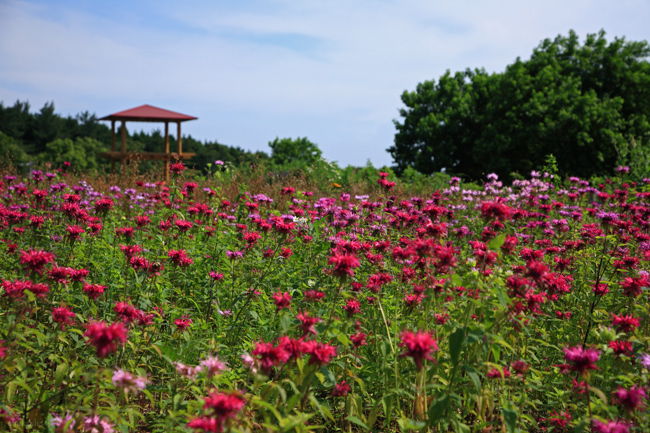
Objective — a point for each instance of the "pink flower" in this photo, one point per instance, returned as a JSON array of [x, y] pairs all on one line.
[[220, 407], [631, 399], [307, 323], [93, 291], [496, 374], [177, 167], [600, 289], [16, 289], [105, 337], [63, 424], [621, 347], [187, 371], [183, 225], [419, 346], [128, 312], [582, 360], [495, 209], [625, 323], [352, 307], [269, 356], [341, 389], [75, 232], [183, 323], [63, 316], [212, 366], [313, 295], [295, 347], [103, 205], [205, 424], [610, 427], [520, 367], [344, 265], [282, 300], [321, 353], [216, 276], [561, 419], [632, 285], [35, 260], [128, 382], [95, 424], [358, 340], [179, 258]]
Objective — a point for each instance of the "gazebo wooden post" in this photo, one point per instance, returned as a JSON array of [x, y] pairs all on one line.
[[180, 142], [123, 147], [167, 152], [112, 145]]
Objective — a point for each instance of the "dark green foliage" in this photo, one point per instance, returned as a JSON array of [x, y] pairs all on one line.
[[289, 151], [10, 150], [213, 151], [581, 103], [49, 137], [81, 153]]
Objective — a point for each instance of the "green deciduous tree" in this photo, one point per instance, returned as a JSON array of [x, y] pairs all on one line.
[[289, 151], [11, 150], [581, 103], [82, 153]]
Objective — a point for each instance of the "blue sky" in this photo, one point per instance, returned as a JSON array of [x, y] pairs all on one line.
[[332, 71]]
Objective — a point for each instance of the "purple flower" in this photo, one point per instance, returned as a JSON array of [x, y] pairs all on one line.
[[645, 360], [95, 424], [128, 382], [62, 424], [212, 366], [233, 255]]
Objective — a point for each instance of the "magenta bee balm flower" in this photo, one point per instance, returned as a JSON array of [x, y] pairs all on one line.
[[419, 346], [582, 360]]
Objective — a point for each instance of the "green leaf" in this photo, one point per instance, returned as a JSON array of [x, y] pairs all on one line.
[[285, 322], [438, 409], [324, 410], [407, 424], [599, 393], [328, 374], [496, 243], [580, 427], [10, 391], [61, 370], [474, 376], [461, 428], [456, 344], [387, 403], [502, 296], [510, 418], [354, 420], [372, 418], [456, 280]]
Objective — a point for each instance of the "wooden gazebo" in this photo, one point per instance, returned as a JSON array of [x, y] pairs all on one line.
[[146, 113]]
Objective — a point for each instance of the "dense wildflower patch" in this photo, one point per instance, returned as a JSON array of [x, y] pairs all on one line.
[[152, 307]]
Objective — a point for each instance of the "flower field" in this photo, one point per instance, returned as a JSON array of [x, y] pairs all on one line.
[[135, 306]]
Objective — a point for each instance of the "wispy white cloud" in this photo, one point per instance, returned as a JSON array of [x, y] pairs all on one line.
[[253, 70]]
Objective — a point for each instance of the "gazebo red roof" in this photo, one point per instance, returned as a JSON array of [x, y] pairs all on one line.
[[148, 113]]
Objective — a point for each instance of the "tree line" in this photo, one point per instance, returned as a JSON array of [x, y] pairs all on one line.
[[45, 136], [586, 104]]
